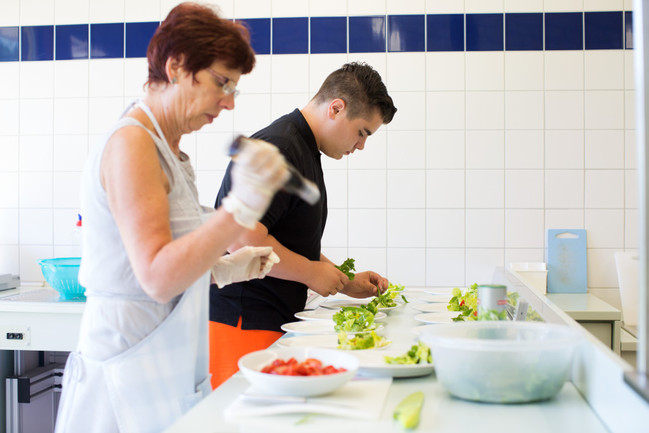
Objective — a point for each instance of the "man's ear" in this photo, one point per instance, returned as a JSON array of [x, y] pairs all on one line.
[[336, 107]]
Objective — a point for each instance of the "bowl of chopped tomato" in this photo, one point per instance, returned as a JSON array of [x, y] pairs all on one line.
[[298, 371]]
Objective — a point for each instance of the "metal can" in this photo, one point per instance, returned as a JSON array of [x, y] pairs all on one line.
[[492, 297]]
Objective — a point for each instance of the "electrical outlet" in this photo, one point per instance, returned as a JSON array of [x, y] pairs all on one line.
[[15, 337]]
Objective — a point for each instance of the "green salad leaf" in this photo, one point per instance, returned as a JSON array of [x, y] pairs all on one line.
[[353, 319], [465, 302], [347, 267], [361, 341], [418, 354]]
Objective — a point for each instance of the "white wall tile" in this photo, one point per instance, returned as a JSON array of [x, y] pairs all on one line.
[[604, 69], [444, 110], [406, 189], [523, 70], [289, 8], [524, 189], [284, 103], [630, 189], [36, 12], [445, 188], [629, 109], [445, 149], [69, 152], [480, 264], [71, 11], [445, 267], [36, 153], [10, 84], [70, 116], [10, 117], [105, 77], [65, 230], [605, 149], [29, 256], [252, 9], [36, 227], [365, 7], [485, 110], [208, 184], [604, 109], [9, 227], [337, 189], [630, 145], [477, 6], [406, 228], [36, 79], [9, 188], [524, 228], [406, 72], [603, 189], [485, 228], [374, 259], [445, 228], [289, 74], [485, 71], [445, 71], [374, 155], [407, 266], [367, 228], [9, 149], [447, 6], [36, 116], [367, 188], [336, 164], [406, 149], [411, 114], [603, 5], [564, 219], [524, 255], [524, 149], [564, 189], [485, 149], [485, 189], [188, 146], [318, 8], [66, 189], [36, 190], [601, 268], [101, 11], [320, 66], [10, 13], [252, 112], [142, 10], [212, 150], [398, 7], [136, 73], [564, 149], [564, 110], [563, 5], [631, 228], [524, 110], [335, 234], [523, 5], [71, 79], [103, 113], [629, 70], [564, 70], [605, 228]]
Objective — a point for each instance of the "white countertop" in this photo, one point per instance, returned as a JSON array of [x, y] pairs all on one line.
[[568, 411]]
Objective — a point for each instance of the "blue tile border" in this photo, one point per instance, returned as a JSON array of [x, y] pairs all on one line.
[[536, 31]]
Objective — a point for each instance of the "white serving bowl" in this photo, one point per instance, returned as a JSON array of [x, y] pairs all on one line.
[[303, 386], [502, 361]]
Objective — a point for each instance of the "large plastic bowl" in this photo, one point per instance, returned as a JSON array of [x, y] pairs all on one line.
[[502, 362], [62, 275], [302, 386]]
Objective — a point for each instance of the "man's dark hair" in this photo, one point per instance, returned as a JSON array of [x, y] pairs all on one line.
[[360, 86]]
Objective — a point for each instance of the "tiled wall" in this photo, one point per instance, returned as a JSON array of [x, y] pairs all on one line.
[[515, 116]]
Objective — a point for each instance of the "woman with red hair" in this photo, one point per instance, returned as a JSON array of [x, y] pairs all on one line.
[[148, 245]]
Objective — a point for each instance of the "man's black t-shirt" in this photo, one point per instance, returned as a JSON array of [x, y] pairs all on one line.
[[270, 302]]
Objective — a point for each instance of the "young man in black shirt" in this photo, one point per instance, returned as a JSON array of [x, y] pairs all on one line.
[[351, 105]]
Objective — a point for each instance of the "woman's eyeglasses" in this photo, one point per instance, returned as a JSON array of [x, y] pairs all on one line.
[[229, 87]]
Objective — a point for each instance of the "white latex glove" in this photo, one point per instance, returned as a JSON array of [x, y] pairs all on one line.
[[244, 264], [259, 171]]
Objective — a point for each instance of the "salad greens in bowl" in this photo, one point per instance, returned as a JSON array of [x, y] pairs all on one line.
[[502, 361]]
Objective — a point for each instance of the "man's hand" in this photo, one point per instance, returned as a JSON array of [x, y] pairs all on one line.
[[325, 279], [365, 284]]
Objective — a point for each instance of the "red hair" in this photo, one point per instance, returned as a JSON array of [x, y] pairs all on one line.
[[195, 35]]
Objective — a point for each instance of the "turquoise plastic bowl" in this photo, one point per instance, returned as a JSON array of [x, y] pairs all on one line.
[[63, 275]]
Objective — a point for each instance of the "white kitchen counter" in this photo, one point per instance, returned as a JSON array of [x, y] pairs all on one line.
[[568, 411]]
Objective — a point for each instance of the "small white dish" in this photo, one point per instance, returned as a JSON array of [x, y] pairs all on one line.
[[445, 317], [430, 308], [430, 298], [328, 314], [337, 304], [323, 341], [372, 363], [307, 327]]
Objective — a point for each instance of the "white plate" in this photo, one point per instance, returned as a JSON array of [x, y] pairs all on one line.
[[327, 314], [337, 304], [427, 297], [315, 327], [418, 330], [446, 317], [325, 341], [429, 308], [372, 363]]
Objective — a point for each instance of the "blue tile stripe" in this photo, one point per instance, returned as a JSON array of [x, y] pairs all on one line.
[[355, 34]]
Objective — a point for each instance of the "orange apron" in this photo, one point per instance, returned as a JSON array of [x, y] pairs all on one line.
[[228, 344]]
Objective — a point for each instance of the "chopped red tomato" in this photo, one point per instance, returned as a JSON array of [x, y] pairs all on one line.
[[309, 367]]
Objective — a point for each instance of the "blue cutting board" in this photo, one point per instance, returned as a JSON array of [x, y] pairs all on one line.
[[566, 260]]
